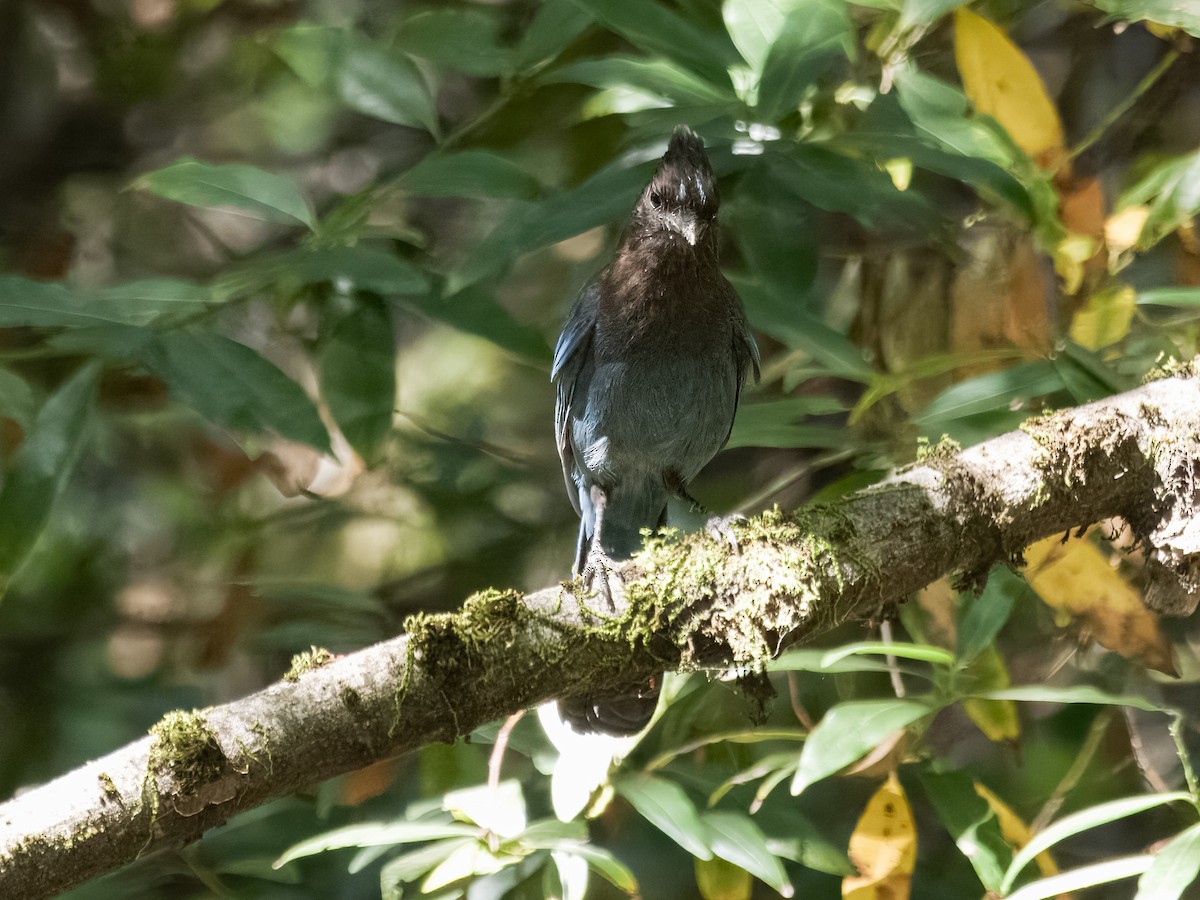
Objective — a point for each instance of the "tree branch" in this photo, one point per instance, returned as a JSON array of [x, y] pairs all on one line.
[[688, 603]]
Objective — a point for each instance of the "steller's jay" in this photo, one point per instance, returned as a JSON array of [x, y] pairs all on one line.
[[649, 367]]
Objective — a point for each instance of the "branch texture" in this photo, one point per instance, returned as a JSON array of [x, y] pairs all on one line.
[[687, 603]]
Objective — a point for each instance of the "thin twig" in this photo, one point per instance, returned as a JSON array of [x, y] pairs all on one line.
[[501, 745]]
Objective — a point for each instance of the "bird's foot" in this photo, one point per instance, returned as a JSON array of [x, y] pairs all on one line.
[[720, 528], [601, 576]]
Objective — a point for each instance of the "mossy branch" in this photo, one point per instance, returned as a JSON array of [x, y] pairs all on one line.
[[687, 603]]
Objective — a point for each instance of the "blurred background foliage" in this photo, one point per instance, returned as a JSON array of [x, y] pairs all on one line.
[[278, 283]]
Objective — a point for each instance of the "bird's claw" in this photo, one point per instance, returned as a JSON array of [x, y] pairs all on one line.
[[720, 528], [600, 575]]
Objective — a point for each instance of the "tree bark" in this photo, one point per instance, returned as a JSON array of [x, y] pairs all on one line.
[[685, 603]]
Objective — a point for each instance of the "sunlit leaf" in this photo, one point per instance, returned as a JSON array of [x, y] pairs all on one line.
[[258, 194], [815, 34], [1002, 83], [41, 468], [1075, 693], [995, 390], [1104, 318], [1085, 877], [232, 385], [717, 879], [1175, 868], [849, 731], [1170, 296], [375, 834], [1077, 579], [418, 863], [883, 846], [734, 837], [665, 805], [1162, 12], [923, 652]]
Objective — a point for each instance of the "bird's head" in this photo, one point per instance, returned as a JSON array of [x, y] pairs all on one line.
[[681, 198]]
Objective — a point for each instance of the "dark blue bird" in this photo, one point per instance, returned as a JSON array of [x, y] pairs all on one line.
[[649, 368]]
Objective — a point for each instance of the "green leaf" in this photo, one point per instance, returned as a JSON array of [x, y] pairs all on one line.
[[384, 84], [358, 376], [814, 35], [772, 424], [925, 12], [41, 468], [603, 862], [1087, 876], [678, 85], [736, 839], [1163, 12], [850, 730], [602, 199], [16, 398], [463, 38], [794, 327], [1171, 189], [777, 237], [468, 173], [232, 385], [367, 76], [658, 29], [152, 300], [1077, 693], [981, 618], [258, 194], [375, 834], [922, 652], [1169, 296], [51, 304], [1082, 821], [476, 310], [755, 25], [819, 174], [665, 806], [555, 25], [812, 660], [417, 863], [357, 268], [993, 391], [1175, 868], [972, 824]]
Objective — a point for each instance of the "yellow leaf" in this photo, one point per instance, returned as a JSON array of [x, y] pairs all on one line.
[[721, 880], [1105, 318], [883, 847], [1076, 579], [1014, 830], [1002, 83], [1070, 255], [1121, 230], [996, 718]]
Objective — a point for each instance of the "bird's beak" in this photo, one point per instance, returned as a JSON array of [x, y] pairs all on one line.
[[689, 226]]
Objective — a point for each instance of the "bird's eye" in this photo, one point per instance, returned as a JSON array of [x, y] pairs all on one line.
[[656, 199]]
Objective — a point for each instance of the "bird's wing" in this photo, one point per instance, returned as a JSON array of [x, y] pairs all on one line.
[[745, 356], [569, 355]]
